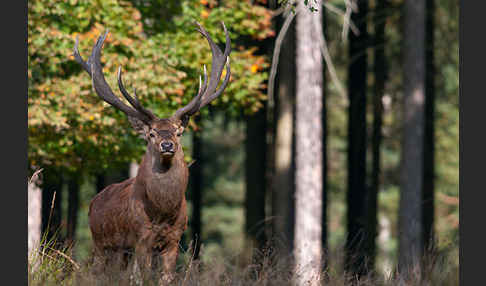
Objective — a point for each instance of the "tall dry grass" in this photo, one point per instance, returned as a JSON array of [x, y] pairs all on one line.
[[51, 266]]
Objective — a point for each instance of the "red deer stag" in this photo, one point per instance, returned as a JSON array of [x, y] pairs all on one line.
[[146, 215]]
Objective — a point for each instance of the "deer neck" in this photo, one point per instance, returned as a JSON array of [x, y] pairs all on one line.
[[162, 182]]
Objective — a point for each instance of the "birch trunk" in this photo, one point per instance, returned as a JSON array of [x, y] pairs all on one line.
[[133, 169], [34, 217], [308, 178]]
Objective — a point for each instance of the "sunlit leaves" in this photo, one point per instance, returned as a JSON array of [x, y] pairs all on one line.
[[70, 126]]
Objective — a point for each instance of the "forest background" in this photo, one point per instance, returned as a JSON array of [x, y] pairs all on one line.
[[82, 144]]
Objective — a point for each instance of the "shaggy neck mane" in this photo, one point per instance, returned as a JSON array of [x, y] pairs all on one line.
[[164, 181], [163, 169]]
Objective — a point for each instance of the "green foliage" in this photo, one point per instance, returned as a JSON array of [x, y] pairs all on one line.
[[70, 127]]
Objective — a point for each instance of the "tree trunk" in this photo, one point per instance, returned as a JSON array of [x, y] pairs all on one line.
[[34, 217], [255, 170], [355, 260], [51, 206], [112, 176], [73, 207], [196, 182], [308, 177], [117, 175], [410, 214], [284, 188], [325, 259], [100, 181], [429, 143], [379, 69], [133, 169]]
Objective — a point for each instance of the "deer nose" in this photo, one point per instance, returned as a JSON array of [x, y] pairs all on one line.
[[166, 146]]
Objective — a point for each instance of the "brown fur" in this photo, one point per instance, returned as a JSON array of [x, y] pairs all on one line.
[[146, 214]]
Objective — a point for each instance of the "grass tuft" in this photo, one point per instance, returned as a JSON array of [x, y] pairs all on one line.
[[51, 266]]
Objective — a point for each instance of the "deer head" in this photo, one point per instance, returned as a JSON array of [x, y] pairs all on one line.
[[162, 134]]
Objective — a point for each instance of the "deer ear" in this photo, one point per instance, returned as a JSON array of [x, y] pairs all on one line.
[[185, 121], [141, 127], [180, 130]]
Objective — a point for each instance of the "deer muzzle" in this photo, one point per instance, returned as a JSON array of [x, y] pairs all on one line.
[[167, 148]]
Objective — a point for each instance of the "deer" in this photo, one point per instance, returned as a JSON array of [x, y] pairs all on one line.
[[146, 215]]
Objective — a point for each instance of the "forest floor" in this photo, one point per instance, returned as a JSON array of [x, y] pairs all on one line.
[[51, 266]]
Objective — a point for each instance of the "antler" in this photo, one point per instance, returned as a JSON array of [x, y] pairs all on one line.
[[193, 106], [133, 100], [208, 93], [94, 69]]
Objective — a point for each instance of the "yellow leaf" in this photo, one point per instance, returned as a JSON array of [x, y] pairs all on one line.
[[204, 14]]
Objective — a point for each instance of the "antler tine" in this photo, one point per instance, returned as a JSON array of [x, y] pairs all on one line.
[[79, 59], [133, 100], [219, 59], [205, 84], [193, 106], [207, 92], [94, 69]]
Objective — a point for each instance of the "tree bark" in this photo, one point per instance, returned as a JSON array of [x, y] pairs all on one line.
[[308, 177], [379, 69], [355, 260], [255, 173], [325, 259], [100, 181], [429, 142], [410, 214], [112, 176], [284, 186], [257, 165], [34, 217], [51, 209], [196, 182], [73, 207], [133, 169]]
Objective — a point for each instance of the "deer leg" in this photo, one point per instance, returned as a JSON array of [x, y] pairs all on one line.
[[117, 260], [99, 263], [143, 257], [169, 259], [142, 262], [141, 266], [101, 260]]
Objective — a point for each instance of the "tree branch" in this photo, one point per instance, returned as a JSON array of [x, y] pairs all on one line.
[[330, 65], [276, 52], [350, 7], [339, 12]]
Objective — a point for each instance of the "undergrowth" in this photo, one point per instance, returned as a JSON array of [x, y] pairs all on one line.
[[53, 265]]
